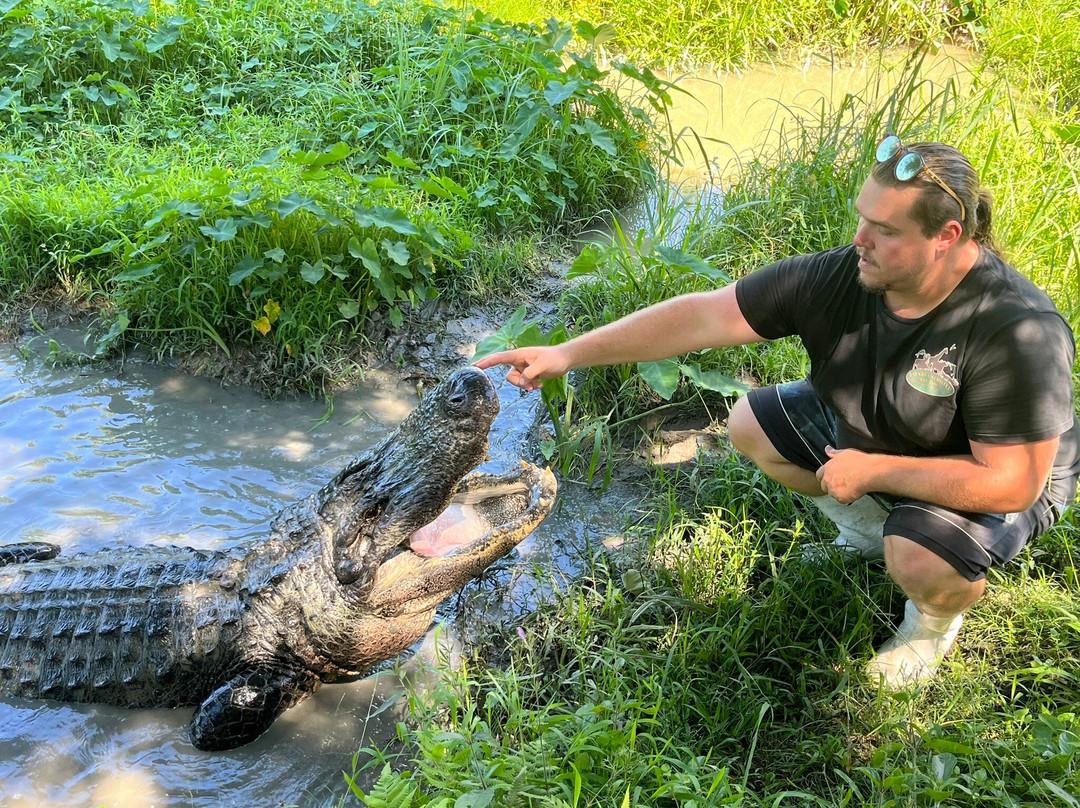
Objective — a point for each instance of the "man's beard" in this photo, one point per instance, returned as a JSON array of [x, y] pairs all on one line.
[[873, 289]]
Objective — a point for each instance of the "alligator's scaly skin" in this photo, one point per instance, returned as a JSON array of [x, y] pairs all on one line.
[[248, 632]]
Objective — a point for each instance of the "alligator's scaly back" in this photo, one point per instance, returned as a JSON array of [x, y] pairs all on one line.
[[127, 628]]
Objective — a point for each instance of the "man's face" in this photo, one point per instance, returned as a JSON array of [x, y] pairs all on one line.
[[893, 252]]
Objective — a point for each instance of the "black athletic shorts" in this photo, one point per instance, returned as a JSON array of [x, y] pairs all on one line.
[[800, 427]]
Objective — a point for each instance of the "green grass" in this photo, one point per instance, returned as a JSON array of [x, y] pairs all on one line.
[[728, 34], [712, 666]]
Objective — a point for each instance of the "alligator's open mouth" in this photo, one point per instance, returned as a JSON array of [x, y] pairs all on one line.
[[483, 505], [487, 517]]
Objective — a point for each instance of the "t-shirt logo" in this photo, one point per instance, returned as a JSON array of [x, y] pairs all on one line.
[[933, 374]]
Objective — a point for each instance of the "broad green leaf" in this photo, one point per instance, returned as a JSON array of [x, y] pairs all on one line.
[[1067, 133], [8, 96], [378, 216], [595, 36], [475, 799], [294, 202], [277, 254], [290, 204], [369, 255], [243, 269], [677, 258], [312, 273], [137, 273], [525, 120], [116, 329], [397, 251], [244, 198], [435, 189], [585, 263], [267, 158], [556, 92], [714, 380], [520, 193], [946, 745], [396, 317], [110, 45], [349, 309], [223, 229], [662, 376], [314, 160], [600, 137], [395, 159], [162, 39], [545, 161], [105, 248]]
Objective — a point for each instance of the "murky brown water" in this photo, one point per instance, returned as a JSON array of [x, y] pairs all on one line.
[[139, 454], [720, 117]]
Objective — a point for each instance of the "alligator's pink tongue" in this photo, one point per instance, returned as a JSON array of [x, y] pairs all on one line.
[[455, 527]]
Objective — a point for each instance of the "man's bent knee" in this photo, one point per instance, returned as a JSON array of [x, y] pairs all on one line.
[[932, 583], [746, 434]]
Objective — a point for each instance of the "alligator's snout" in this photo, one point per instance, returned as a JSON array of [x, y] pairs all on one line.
[[469, 393], [406, 481]]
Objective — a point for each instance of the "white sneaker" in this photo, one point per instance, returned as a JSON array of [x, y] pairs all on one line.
[[915, 651], [861, 528]]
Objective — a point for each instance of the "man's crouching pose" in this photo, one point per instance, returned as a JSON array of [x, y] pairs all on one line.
[[937, 426]]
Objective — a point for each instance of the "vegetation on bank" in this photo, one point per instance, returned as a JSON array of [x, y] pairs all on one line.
[[272, 174]]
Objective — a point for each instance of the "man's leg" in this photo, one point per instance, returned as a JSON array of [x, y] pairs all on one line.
[[938, 595], [860, 523], [746, 435]]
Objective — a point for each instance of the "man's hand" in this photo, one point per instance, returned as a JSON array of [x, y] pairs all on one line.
[[529, 365], [844, 474]]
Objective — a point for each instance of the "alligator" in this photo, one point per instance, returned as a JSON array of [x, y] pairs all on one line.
[[245, 633]]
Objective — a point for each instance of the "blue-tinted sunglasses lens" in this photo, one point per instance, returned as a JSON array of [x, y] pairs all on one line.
[[887, 148], [908, 166]]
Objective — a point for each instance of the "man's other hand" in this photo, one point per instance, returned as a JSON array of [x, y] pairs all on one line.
[[843, 474]]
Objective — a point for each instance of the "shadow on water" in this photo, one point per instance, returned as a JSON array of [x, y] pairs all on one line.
[[137, 454]]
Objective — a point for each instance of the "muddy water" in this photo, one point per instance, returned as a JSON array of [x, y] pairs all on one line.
[[718, 118], [141, 454]]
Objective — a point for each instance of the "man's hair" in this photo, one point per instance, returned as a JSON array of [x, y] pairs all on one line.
[[934, 207]]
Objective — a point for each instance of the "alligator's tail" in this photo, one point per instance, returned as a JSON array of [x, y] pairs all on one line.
[[27, 551]]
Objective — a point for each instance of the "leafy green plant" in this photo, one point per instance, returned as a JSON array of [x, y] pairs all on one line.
[[274, 179]]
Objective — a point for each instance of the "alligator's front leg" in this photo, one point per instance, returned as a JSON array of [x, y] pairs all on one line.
[[27, 551], [243, 708]]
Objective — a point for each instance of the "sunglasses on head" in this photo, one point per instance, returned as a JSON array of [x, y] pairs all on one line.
[[908, 166]]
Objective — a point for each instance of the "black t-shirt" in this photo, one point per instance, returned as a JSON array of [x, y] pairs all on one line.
[[992, 363]]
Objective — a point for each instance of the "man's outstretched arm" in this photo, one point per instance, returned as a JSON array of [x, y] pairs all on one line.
[[686, 323]]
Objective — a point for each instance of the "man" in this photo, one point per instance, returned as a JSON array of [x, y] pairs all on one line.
[[937, 426]]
